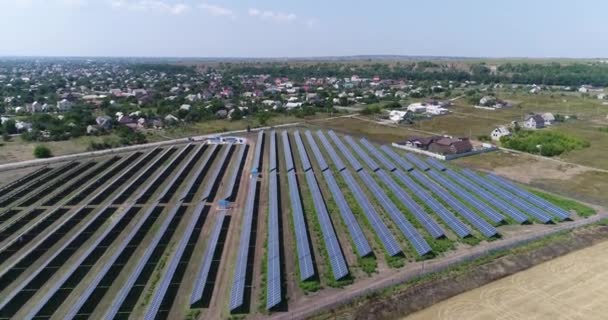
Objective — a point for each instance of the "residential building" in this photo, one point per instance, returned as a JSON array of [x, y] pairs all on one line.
[[500, 132], [534, 121], [451, 146]]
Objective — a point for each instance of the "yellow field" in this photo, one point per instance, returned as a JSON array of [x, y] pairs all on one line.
[[574, 286]]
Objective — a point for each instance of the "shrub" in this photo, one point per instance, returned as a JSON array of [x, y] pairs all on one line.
[[41, 152], [545, 143]]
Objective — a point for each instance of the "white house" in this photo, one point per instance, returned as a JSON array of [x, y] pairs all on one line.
[[185, 107], [534, 121], [23, 126], [397, 115], [499, 132], [549, 118], [416, 107], [64, 105], [291, 105], [436, 110]]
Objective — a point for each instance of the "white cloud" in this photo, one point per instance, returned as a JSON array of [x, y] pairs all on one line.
[[150, 5], [276, 16], [217, 11]]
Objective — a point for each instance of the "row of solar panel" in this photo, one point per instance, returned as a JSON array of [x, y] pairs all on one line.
[[273, 267]]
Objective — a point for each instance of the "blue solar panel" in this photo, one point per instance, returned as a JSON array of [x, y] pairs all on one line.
[[215, 174], [351, 159], [272, 164], [336, 258], [161, 290], [331, 151], [207, 259], [397, 158], [372, 150], [234, 172], [92, 284], [356, 234], [436, 164], [560, 213], [301, 233], [258, 152], [366, 158], [507, 196], [417, 162], [127, 285], [465, 195], [488, 197], [444, 214], [300, 145], [176, 175], [289, 164], [412, 235], [483, 226], [273, 268], [316, 151]]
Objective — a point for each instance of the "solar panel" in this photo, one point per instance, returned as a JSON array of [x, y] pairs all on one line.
[[397, 158], [444, 214], [436, 164], [488, 197], [351, 159], [356, 234], [427, 222], [161, 290], [536, 200], [273, 152], [127, 285], [316, 151], [417, 162], [483, 226], [331, 151], [109, 262], [17, 184], [289, 164], [507, 196], [336, 258], [258, 152], [273, 266], [301, 233], [379, 156], [234, 172], [300, 145], [215, 177], [466, 196], [175, 182], [237, 294], [412, 235], [370, 163]]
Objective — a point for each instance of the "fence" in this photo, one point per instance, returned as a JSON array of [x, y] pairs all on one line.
[[441, 156]]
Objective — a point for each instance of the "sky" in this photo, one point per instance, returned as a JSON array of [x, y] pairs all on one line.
[[311, 28]]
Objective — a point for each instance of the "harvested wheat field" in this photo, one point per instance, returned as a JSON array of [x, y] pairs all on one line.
[[574, 286]]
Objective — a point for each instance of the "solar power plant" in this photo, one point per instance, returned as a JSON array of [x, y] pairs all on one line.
[[497, 202], [336, 258], [561, 214], [356, 234], [479, 205], [483, 226], [207, 229], [522, 205], [307, 270]]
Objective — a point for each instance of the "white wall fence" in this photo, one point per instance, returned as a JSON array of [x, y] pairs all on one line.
[[441, 156]]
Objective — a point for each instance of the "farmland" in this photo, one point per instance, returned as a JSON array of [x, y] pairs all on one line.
[[287, 219]]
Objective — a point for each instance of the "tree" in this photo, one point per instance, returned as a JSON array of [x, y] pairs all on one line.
[[9, 126], [41, 152], [263, 118]]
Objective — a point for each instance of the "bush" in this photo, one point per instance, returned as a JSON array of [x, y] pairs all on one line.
[[370, 110], [545, 143], [42, 152], [484, 137]]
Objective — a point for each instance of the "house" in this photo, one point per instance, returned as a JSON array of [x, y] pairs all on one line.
[[64, 105], [421, 142], [500, 132], [534, 121], [549, 118], [34, 107], [104, 122], [223, 113], [92, 129], [23, 126], [291, 105], [185, 107], [171, 118], [397, 115], [487, 101], [451, 146], [436, 110], [417, 107]]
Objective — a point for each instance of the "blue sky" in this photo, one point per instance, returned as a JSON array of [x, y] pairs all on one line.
[[272, 28]]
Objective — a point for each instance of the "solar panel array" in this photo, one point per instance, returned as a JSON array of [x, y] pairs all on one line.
[[417, 162], [301, 233], [488, 197], [257, 157], [366, 158], [436, 164], [300, 146], [336, 258], [273, 266], [483, 226], [397, 158], [223, 160], [207, 259], [379, 156], [388, 240], [237, 294], [485, 209], [331, 151], [507, 196], [361, 244], [349, 157], [560, 213], [444, 214], [234, 173]]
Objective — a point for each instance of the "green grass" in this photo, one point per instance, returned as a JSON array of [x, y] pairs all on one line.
[[262, 297], [368, 264], [309, 285], [567, 204], [156, 276], [192, 314]]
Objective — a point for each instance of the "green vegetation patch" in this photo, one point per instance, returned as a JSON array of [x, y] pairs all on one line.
[[545, 143]]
